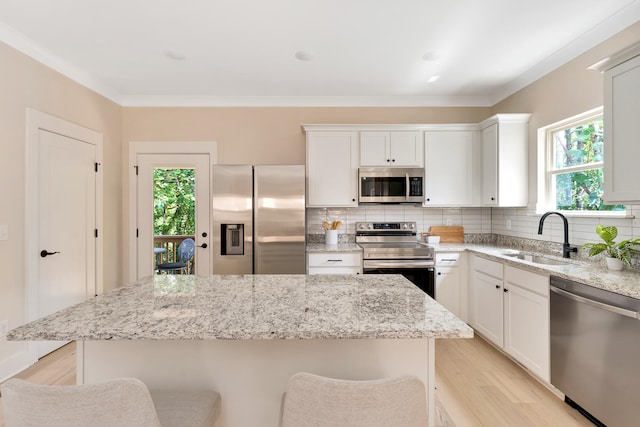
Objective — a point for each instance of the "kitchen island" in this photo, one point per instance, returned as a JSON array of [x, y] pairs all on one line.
[[244, 336]]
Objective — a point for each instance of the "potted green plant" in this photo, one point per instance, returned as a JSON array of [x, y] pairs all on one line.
[[618, 254]]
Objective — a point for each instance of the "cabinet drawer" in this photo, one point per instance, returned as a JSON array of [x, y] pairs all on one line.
[[335, 270], [447, 258], [527, 280], [491, 268], [334, 259]]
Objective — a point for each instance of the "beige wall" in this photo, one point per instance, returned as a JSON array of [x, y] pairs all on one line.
[[270, 134], [566, 92], [26, 83]]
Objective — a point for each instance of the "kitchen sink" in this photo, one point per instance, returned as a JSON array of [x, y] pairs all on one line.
[[536, 259]]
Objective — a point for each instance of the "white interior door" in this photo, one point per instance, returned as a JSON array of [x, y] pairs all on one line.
[[66, 225], [147, 163]]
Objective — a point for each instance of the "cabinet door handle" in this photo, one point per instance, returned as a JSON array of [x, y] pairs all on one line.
[[439, 274], [505, 290], [497, 286], [334, 260]]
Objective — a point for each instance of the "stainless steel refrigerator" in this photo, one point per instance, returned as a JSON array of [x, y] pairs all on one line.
[[258, 219]]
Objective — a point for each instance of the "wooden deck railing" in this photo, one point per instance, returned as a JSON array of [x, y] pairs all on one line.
[[170, 245]]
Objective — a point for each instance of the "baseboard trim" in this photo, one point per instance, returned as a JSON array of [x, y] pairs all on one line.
[[14, 364]]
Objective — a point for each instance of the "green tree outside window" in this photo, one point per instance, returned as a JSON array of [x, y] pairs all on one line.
[[174, 202], [577, 174]]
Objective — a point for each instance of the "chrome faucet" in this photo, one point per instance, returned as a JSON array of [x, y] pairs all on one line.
[[566, 248]]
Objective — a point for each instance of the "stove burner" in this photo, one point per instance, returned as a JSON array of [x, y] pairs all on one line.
[[391, 240]]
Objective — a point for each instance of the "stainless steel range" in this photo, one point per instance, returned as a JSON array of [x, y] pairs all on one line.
[[393, 248]]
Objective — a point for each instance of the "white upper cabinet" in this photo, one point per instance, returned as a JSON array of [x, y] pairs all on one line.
[[471, 164], [621, 146], [332, 168], [450, 168], [504, 160], [396, 148]]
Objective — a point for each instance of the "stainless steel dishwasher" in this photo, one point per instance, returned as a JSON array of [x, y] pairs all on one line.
[[595, 351]]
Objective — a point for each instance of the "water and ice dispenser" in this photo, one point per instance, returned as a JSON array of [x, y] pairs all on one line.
[[232, 241]]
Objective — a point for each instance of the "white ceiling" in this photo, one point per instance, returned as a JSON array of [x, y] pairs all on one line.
[[359, 52]]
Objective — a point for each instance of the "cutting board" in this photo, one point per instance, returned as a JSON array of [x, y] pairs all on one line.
[[448, 234]]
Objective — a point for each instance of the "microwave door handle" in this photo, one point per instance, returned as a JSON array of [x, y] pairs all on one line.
[[407, 185]]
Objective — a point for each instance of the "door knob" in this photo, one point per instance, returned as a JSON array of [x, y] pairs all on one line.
[[44, 253], [203, 246]]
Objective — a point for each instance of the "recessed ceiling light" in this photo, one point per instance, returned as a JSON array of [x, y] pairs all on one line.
[[304, 55], [433, 79], [430, 56], [176, 56]]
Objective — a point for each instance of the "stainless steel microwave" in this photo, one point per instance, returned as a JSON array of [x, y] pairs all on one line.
[[390, 185]]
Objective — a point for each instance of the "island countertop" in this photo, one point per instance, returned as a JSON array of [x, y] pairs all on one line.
[[253, 307]]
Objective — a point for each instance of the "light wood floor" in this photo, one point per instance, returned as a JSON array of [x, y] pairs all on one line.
[[476, 385]]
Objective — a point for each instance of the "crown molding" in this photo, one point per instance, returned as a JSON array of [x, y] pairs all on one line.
[[306, 101]]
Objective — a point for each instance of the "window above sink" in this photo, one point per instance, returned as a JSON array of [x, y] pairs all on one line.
[[570, 167]]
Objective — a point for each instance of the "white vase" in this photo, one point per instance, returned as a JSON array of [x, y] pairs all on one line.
[[614, 263], [331, 237]]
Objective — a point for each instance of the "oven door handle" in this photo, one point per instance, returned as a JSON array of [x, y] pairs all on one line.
[[398, 264]]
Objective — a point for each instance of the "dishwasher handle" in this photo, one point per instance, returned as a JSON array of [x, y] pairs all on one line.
[[597, 304]]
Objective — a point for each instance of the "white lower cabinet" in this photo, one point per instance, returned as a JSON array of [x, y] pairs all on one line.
[[450, 267], [487, 300], [526, 318], [510, 308], [334, 263]]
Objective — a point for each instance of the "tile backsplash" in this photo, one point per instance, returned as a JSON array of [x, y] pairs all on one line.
[[524, 222], [512, 222], [474, 220]]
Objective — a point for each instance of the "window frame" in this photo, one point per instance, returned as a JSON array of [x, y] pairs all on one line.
[[547, 168]]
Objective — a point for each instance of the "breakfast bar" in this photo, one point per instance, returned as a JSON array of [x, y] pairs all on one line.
[[245, 335]]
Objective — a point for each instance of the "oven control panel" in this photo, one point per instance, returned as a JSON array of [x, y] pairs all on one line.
[[383, 227]]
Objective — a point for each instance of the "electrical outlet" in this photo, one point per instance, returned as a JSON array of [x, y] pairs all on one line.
[[4, 328], [508, 224], [448, 222]]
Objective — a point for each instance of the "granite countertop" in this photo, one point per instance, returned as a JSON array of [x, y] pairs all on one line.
[[166, 307], [340, 247], [625, 282]]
